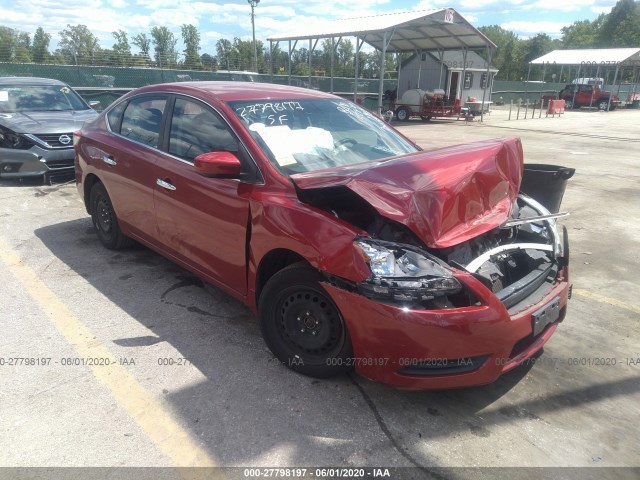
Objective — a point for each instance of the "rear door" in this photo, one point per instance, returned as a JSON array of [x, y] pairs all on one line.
[[128, 159], [203, 221]]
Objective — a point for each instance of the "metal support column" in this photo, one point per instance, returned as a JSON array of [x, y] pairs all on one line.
[[487, 83], [383, 54], [356, 69]]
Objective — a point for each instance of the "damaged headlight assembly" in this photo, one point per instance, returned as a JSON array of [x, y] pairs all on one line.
[[403, 273]]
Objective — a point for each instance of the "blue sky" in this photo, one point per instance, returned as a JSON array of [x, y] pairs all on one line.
[[216, 19]]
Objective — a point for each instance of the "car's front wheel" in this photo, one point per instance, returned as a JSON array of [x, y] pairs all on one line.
[[105, 220], [302, 326], [568, 104]]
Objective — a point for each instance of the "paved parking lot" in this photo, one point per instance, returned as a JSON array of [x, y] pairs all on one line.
[[131, 361]]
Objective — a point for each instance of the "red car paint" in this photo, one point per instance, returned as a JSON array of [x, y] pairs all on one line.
[[444, 196], [223, 230]]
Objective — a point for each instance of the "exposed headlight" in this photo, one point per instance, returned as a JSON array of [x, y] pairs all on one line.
[[404, 273], [10, 139]]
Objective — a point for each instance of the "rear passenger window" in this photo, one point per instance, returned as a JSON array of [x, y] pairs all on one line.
[[195, 129], [142, 120]]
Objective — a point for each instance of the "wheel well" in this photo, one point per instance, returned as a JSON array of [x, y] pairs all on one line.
[[89, 182], [272, 263]]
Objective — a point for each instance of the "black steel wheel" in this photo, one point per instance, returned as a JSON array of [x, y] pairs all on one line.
[[105, 220], [302, 326]]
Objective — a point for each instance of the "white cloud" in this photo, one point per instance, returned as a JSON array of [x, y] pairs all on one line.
[[530, 29]]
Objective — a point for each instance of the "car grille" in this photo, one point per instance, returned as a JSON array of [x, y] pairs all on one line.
[[53, 139], [56, 164]]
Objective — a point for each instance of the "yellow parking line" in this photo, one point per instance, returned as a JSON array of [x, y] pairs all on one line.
[[603, 299], [156, 421]]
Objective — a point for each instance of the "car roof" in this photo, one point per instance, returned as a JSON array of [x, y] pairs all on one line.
[[229, 91], [29, 81]]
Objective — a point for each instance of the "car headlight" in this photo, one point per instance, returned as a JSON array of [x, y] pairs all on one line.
[[404, 273], [10, 139]]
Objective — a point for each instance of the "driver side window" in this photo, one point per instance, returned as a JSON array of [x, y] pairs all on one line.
[[196, 129]]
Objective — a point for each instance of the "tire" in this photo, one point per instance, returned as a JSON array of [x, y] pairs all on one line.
[[302, 326], [105, 221], [403, 114], [425, 118], [603, 104], [568, 104]]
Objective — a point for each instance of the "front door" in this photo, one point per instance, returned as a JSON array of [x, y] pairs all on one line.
[[454, 81], [202, 221]]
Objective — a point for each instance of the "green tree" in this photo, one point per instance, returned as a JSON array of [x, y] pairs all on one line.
[[209, 62], [345, 58], [121, 49], [78, 44], [191, 40], [164, 44], [144, 44], [40, 47], [7, 44], [621, 27], [581, 34], [223, 52], [508, 56]]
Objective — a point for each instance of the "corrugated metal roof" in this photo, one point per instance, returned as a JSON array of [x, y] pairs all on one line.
[[589, 56], [443, 29]]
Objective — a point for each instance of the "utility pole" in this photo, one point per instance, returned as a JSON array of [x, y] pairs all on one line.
[[254, 4]]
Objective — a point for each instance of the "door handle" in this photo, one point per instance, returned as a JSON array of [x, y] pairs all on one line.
[[165, 184], [109, 160]]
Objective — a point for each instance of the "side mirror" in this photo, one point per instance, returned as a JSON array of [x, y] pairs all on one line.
[[218, 164], [95, 104]]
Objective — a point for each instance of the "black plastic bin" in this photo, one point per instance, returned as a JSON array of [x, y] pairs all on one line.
[[546, 184]]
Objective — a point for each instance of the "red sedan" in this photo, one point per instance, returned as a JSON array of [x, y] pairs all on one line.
[[356, 248]]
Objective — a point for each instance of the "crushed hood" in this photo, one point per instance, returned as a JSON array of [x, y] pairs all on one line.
[[444, 196], [46, 122]]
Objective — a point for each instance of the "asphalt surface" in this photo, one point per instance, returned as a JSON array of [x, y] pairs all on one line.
[[189, 381]]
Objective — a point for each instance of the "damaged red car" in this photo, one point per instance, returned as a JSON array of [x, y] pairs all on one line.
[[356, 249]]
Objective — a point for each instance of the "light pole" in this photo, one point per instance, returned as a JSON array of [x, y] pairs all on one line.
[[254, 4]]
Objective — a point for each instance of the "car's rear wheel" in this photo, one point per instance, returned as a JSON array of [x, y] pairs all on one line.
[[105, 220], [302, 326]]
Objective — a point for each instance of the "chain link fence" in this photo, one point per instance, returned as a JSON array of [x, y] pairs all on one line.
[[107, 83]]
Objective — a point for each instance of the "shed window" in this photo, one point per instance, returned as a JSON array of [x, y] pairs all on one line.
[[468, 80]]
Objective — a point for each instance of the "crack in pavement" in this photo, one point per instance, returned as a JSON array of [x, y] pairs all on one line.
[[385, 429]]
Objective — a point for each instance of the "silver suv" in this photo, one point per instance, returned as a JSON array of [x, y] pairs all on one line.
[[37, 119]]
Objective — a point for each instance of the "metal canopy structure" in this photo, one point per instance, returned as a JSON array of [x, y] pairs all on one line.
[[429, 30], [602, 59], [422, 30]]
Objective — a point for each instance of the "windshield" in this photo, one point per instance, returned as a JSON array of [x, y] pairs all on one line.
[[304, 135], [39, 98]]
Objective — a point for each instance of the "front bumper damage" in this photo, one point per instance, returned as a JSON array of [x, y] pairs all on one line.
[[506, 319], [36, 162]]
